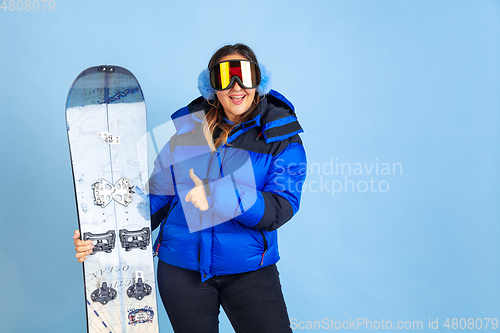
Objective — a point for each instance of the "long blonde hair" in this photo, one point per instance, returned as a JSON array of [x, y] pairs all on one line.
[[216, 130]]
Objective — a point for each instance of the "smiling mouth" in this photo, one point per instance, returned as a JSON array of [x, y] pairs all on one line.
[[237, 99]]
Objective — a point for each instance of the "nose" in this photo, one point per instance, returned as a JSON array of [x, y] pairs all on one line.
[[236, 86]]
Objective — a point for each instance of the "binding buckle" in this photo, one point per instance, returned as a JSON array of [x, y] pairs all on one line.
[[139, 289], [104, 294], [112, 140]]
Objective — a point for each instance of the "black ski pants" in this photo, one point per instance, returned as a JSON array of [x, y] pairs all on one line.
[[253, 301]]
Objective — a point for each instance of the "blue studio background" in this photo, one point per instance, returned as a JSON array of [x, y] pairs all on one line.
[[400, 104]]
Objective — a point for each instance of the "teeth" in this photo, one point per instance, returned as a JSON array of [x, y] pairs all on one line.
[[237, 98]]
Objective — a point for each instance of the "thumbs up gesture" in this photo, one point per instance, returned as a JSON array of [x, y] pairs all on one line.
[[197, 194]]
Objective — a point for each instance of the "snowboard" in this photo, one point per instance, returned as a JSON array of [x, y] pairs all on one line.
[[107, 135]]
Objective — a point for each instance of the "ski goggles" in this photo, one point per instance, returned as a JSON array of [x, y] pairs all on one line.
[[224, 74]]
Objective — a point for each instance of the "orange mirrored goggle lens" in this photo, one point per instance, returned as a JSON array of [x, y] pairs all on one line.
[[245, 72]]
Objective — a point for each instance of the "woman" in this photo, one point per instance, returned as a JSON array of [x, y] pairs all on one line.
[[236, 166]]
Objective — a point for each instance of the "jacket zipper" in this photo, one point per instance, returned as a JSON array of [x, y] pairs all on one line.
[[265, 247], [208, 174], [161, 229]]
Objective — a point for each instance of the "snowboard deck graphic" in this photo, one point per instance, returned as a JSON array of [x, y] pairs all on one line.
[[106, 123]]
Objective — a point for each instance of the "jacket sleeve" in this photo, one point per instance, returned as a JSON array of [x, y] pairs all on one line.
[[276, 203], [161, 187]]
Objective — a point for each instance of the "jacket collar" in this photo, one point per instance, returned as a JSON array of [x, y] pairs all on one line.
[[274, 114]]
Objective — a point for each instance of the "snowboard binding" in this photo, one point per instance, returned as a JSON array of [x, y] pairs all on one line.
[[102, 242], [139, 289], [135, 239], [104, 294]]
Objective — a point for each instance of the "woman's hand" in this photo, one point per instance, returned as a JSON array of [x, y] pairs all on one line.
[[82, 248], [197, 194]]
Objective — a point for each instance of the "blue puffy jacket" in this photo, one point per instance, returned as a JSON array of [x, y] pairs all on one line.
[[253, 186]]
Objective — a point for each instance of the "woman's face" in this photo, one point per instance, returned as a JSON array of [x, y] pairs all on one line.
[[236, 100]]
